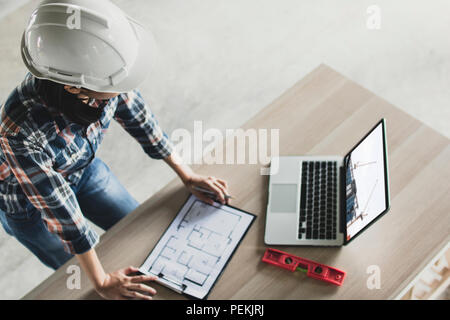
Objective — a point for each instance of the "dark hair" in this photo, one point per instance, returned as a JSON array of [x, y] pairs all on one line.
[[52, 93], [55, 96]]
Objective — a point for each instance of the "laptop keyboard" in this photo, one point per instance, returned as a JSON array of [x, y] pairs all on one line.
[[318, 209]]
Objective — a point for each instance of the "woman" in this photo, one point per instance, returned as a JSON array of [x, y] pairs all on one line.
[[52, 124]]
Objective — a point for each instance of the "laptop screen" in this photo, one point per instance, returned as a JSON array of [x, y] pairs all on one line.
[[366, 181]]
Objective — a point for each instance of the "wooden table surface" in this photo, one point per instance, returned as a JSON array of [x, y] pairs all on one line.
[[323, 114]]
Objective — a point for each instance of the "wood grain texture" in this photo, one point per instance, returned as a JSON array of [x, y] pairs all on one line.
[[324, 114]]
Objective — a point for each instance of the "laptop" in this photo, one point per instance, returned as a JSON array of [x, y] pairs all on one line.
[[328, 200]]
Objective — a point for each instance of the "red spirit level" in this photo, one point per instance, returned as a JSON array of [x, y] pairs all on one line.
[[313, 269]]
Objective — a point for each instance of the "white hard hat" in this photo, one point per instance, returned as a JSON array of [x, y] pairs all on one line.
[[87, 43]]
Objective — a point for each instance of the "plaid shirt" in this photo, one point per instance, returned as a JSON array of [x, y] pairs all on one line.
[[42, 153]]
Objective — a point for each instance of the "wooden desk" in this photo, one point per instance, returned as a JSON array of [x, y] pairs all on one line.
[[325, 113]]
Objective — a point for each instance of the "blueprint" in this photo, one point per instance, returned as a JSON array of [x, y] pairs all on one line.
[[193, 251]]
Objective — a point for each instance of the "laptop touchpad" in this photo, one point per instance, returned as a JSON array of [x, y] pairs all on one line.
[[283, 198]]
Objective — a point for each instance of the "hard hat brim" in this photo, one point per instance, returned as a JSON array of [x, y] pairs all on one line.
[[29, 66]]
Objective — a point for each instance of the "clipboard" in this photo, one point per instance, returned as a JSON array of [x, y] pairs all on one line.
[[196, 247]]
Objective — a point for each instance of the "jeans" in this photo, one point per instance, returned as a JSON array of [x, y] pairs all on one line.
[[102, 199]]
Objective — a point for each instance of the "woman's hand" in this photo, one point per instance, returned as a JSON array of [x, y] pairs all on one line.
[[218, 186], [119, 285], [191, 180]]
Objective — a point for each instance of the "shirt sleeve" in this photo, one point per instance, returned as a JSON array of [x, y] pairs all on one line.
[[49, 192], [135, 117]]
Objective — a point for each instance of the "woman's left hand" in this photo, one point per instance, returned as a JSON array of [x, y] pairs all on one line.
[[218, 186]]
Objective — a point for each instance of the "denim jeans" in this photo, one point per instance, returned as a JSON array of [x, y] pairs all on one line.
[[102, 199]]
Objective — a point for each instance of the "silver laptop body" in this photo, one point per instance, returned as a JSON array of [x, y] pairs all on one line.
[[314, 201], [283, 208]]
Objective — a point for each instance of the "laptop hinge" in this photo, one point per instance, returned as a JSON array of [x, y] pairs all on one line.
[[343, 201]]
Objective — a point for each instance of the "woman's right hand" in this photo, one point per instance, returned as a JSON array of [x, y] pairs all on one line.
[[119, 285]]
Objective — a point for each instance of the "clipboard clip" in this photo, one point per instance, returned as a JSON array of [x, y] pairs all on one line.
[[182, 286]]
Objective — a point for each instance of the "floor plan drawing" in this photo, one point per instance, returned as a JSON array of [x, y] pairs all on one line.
[[195, 248]]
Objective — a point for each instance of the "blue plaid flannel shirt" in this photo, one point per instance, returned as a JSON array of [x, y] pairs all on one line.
[[42, 153]]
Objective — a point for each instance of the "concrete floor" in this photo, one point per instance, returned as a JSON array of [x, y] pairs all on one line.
[[223, 61]]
